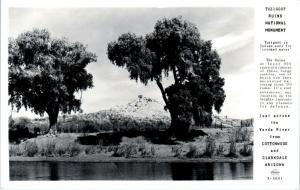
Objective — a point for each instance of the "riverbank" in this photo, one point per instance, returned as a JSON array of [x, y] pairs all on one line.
[[108, 159], [227, 145]]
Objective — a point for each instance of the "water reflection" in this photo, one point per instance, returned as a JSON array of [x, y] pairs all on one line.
[[129, 171], [192, 171], [53, 167]]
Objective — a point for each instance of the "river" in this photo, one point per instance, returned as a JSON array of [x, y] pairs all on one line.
[[129, 171]]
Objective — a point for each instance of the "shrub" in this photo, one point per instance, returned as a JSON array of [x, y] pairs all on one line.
[[241, 135], [90, 150], [30, 148], [220, 149], [42, 127], [74, 149], [19, 129], [62, 149], [143, 149], [99, 149], [152, 150], [125, 150], [136, 140], [146, 151], [245, 135], [210, 146], [47, 148], [111, 148], [88, 127], [246, 150], [177, 150], [14, 150], [232, 150], [193, 152]]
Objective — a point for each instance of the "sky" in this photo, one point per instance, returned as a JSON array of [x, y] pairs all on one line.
[[231, 31]]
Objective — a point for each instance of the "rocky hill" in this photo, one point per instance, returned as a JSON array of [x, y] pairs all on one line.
[[142, 107], [142, 113]]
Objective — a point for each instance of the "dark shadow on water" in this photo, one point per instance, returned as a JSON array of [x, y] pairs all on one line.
[[233, 170], [192, 171], [53, 167]]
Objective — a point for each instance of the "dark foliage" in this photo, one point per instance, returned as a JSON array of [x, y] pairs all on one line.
[[18, 130], [155, 137], [175, 48], [45, 73], [246, 150]]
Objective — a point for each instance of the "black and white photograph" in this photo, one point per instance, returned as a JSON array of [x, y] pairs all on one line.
[[131, 93]]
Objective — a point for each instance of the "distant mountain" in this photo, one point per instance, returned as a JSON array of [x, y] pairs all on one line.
[[142, 113], [142, 107]]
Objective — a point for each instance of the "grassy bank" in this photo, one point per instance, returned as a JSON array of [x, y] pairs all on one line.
[[97, 158], [229, 144]]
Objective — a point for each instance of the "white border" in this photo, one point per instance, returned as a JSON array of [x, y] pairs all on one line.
[[228, 184]]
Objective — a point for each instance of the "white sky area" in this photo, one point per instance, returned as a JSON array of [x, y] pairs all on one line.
[[230, 29]]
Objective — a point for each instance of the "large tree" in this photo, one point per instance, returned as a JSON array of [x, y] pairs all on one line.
[[175, 48], [45, 74]]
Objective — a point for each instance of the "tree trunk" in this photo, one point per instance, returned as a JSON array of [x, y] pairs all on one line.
[[172, 128], [180, 127], [163, 93], [53, 115]]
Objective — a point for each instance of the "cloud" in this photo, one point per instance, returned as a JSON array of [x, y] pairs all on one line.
[[232, 41]]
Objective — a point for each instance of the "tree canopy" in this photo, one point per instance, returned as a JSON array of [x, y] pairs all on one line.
[[45, 73], [175, 48]]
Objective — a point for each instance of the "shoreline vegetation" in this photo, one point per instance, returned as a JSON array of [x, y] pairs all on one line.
[[108, 159], [126, 134], [233, 144]]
